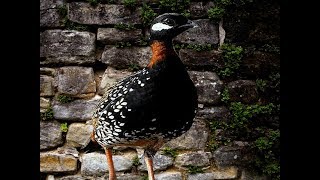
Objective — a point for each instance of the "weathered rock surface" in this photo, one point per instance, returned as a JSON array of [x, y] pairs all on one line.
[[56, 162], [50, 134], [69, 60], [208, 85], [206, 33], [199, 158], [194, 58], [200, 9], [228, 173], [46, 86], [220, 113], [102, 14], [71, 177], [168, 176], [254, 27], [125, 57], [77, 110], [95, 164], [49, 15], [66, 43], [113, 35], [243, 90], [194, 139], [260, 63], [202, 176], [160, 162], [129, 177], [44, 103], [47, 71], [226, 156], [79, 134], [110, 77], [74, 80], [247, 175]]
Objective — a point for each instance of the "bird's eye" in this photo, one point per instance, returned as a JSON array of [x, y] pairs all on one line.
[[169, 22]]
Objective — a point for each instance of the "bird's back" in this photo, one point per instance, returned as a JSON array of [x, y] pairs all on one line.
[[154, 103]]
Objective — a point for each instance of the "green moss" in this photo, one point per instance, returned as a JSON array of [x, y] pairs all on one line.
[[109, 1], [196, 47], [266, 157], [74, 26], [147, 14], [275, 80], [245, 125], [145, 177], [170, 152], [216, 13], [194, 169], [213, 144], [47, 115], [270, 48], [261, 84], [64, 127], [134, 67], [131, 4], [241, 113], [62, 11], [123, 44], [223, 2], [135, 161], [122, 26], [93, 2], [225, 96], [64, 98], [143, 41], [232, 56], [180, 6]]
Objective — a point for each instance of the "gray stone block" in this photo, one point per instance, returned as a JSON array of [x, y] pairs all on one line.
[[195, 58], [54, 162], [74, 80], [168, 176], [194, 139], [50, 134], [206, 33], [243, 90], [57, 43], [208, 85], [199, 158], [79, 134], [102, 14], [122, 58], [46, 86], [78, 110], [113, 35], [49, 15]]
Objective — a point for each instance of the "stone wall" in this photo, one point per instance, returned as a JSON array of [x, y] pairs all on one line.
[[81, 57]]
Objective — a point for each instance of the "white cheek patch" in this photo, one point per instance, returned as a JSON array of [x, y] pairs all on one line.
[[160, 26]]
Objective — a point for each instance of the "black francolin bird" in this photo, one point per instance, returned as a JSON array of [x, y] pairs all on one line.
[[152, 106]]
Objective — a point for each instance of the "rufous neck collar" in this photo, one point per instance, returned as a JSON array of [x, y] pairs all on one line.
[[160, 51]]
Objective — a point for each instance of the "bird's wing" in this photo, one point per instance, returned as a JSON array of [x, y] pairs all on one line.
[[129, 106]]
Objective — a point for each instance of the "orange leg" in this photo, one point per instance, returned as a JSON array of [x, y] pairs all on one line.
[[92, 137], [112, 174], [149, 164]]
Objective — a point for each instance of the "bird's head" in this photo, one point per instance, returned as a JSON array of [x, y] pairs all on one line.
[[169, 25]]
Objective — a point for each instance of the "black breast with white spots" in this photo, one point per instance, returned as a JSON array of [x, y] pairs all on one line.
[[145, 105]]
